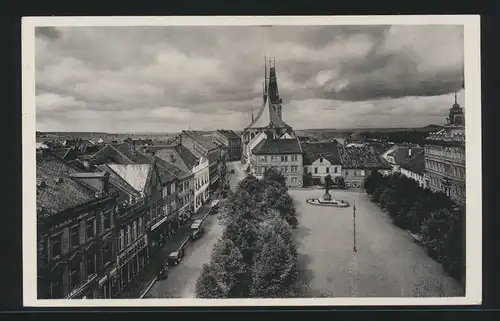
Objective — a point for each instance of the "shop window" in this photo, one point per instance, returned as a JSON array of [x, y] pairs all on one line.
[[55, 246]]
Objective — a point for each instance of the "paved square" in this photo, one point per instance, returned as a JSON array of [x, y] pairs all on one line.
[[388, 263]]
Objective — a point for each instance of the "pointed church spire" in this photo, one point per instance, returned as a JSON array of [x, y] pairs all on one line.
[[456, 98], [252, 116]]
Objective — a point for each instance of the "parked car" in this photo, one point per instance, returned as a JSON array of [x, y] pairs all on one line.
[[176, 257], [215, 207]]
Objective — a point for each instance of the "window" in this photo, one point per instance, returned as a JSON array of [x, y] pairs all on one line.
[[315, 170], [274, 158], [293, 169], [90, 228], [284, 158], [106, 254], [57, 287], [75, 237], [172, 204], [284, 169], [90, 264], [74, 275], [55, 246], [107, 220], [346, 173], [173, 188], [127, 235], [328, 170], [263, 158], [321, 159], [362, 173], [355, 173], [139, 227], [134, 231], [121, 240], [335, 170]]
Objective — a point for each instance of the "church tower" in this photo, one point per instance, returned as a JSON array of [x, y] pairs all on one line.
[[268, 123]]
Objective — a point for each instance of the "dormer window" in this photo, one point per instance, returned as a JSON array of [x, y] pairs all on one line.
[[321, 159]]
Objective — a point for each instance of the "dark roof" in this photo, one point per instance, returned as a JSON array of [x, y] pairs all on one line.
[[416, 164], [278, 146], [205, 141], [229, 134], [401, 154], [361, 157], [120, 154], [313, 151], [56, 190], [168, 171], [179, 156]]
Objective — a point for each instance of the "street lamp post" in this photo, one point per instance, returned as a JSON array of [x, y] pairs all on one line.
[[354, 225]]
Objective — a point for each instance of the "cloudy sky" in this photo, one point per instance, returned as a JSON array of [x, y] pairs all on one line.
[[165, 79]]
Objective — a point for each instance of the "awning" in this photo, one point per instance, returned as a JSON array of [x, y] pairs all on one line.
[[160, 222]]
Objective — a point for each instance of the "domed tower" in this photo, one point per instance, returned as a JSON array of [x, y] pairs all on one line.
[[456, 115]]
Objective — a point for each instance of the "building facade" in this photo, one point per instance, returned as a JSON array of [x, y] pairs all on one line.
[[415, 168], [445, 157], [198, 144], [321, 159], [357, 162], [285, 155], [196, 164], [231, 142], [75, 231]]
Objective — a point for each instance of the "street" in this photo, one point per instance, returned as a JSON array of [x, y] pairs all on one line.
[[181, 279], [388, 263]]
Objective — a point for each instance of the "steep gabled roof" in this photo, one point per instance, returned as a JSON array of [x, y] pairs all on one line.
[[229, 134], [402, 153], [56, 190], [136, 175], [174, 171], [205, 141], [179, 156], [313, 151], [267, 117], [277, 146], [416, 164], [361, 158]]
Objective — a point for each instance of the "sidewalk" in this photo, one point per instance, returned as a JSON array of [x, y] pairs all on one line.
[[141, 282]]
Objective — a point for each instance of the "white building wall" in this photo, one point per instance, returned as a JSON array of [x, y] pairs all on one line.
[[201, 183]]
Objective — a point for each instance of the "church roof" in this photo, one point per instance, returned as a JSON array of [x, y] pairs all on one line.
[[278, 146], [267, 116]]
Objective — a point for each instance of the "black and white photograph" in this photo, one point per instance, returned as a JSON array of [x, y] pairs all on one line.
[[218, 161]]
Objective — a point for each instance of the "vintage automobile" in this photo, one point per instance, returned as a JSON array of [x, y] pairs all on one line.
[[215, 207], [176, 257]]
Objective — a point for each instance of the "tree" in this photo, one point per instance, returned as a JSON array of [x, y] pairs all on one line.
[[341, 182], [377, 193], [434, 230], [307, 179], [372, 181], [207, 285], [271, 174], [231, 272], [388, 201], [276, 198], [274, 267]]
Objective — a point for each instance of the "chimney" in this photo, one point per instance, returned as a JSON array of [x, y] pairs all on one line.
[[131, 147]]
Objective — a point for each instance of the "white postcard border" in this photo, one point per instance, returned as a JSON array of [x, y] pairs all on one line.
[[472, 77]]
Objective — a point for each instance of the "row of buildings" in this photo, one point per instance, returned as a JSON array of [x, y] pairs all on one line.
[[101, 218], [268, 141]]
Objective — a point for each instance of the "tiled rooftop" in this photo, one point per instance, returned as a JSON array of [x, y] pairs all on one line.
[[313, 151], [56, 190], [361, 157], [207, 142], [278, 146], [135, 175], [416, 164]]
